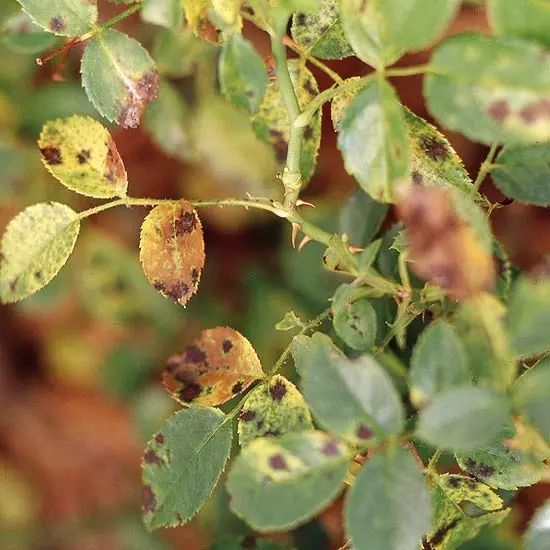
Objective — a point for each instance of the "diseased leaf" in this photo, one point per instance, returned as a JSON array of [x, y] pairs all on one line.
[[537, 536], [438, 363], [21, 35], [271, 121], [354, 319], [531, 396], [182, 464], [340, 103], [243, 76], [279, 482], [119, 77], [35, 246], [444, 248], [82, 155], [388, 505], [528, 19], [522, 173], [501, 466], [528, 318], [196, 14], [381, 32], [172, 250], [490, 89], [459, 488], [273, 409], [463, 418], [62, 17], [373, 141], [220, 364], [355, 399], [166, 13], [321, 32]]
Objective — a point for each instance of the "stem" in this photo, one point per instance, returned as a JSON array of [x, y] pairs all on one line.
[[407, 71], [312, 324], [90, 34], [434, 460], [486, 166]]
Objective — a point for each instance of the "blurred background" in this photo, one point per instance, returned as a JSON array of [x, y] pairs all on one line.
[[80, 362]]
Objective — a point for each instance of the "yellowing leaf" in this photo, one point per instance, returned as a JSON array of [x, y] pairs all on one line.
[[35, 246], [172, 250], [220, 364], [273, 409], [443, 247], [82, 155]]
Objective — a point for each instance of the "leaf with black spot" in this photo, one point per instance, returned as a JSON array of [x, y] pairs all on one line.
[[273, 409], [82, 155], [62, 17], [219, 365], [172, 250], [182, 465], [280, 482], [119, 76]]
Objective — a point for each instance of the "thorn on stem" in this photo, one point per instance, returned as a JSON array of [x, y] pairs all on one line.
[[296, 227], [355, 249], [300, 202], [303, 243]]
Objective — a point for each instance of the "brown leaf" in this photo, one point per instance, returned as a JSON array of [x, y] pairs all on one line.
[[443, 247], [172, 250], [219, 365]]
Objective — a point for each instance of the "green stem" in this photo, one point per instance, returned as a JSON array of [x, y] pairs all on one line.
[[486, 166], [434, 460], [309, 326], [407, 71]]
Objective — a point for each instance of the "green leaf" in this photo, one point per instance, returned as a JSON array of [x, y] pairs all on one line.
[[361, 218], [501, 466], [165, 13], [243, 76], [62, 17], [279, 482], [354, 319], [182, 465], [463, 418], [35, 246], [537, 536], [373, 141], [522, 173], [290, 321], [388, 505], [271, 121], [306, 350], [528, 19], [273, 409], [167, 119], [82, 155], [354, 399], [321, 32], [531, 396], [381, 32], [438, 363], [119, 77], [528, 317], [490, 89]]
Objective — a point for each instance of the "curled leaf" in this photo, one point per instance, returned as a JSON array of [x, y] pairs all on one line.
[[443, 247], [220, 364], [82, 155], [172, 250]]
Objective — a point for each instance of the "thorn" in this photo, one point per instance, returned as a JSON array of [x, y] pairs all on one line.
[[355, 249], [303, 243], [295, 230], [300, 202], [39, 61]]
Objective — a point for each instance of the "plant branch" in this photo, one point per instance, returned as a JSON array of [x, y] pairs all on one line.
[[486, 166]]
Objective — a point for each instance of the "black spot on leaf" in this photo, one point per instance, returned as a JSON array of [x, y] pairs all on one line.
[[52, 155], [363, 432], [499, 110], [159, 438], [330, 448], [150, 457], [83, 157], [479, 469], [148, 500], [416, 178], [186, 223], [277, 391], [190, 392], [226, 346], [194, 354], [434, 148], [57, 24], [247, 416], [237, 387], [278, 462]]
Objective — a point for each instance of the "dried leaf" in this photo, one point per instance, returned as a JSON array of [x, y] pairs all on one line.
[[82, 155], [443, 247], [220, 364], [172, 250]]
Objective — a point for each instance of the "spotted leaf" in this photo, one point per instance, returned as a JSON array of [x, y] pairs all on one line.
[[279, 482], [273, 409], [182, 464], [491, 89], [271, 121], [172, 250], [62, 17], [35, 246], [82, 155], [219, 365], [119, 77]]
